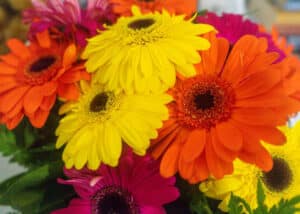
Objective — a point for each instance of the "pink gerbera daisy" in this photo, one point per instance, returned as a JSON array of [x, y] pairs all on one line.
[[233, 26], [69, 17], [134, 187]]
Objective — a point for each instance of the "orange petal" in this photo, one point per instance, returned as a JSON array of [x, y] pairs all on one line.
[[48, 102], [33, 100], [221, 151], [10, 59], [16, 109], [169, 162], [44, 39], [70, 55], [229, 136], [38, 119], [186, 170], [11, 98], [259, 116], [258, 83], [7, 85], [72, 76], [7, 69], [194, 145], [201, 169], [18, 48], [213, 162], [243, 53], [14, 122], [268, 99], [159, 148], [264, 160], [68, 91]]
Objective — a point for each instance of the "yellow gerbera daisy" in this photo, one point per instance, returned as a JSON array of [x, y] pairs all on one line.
[[283, 181], [141, 53], [96, 124]]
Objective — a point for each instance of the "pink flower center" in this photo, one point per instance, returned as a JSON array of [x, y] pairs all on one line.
[[114, 200]]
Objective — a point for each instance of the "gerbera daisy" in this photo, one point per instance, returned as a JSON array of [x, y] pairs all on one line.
[[236, 99], [233, 26], [67, 15], [145, 50], [95, 126], [32, 76], [283, 181], [292, 63], [134, 187], [123, 7]]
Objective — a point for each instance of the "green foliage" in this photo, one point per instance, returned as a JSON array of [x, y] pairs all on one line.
[[238, 205], [196, 200], [29, 146], [36, 191]]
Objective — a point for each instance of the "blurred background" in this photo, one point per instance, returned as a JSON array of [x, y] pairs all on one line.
[[282, 14]]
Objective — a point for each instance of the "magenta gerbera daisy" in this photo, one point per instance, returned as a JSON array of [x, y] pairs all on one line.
[[134, 187], [233, 26], [69, 17]]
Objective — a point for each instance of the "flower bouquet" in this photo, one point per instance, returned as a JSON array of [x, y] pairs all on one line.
[[148, 107]]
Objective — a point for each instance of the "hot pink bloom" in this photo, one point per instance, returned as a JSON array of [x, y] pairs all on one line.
[[233, 27], [69, 17], [134, 187]]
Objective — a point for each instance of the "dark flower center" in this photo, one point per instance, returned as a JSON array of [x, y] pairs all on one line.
[[99, 102], [141, 23], [280, 177], [42, 64], [204, 101], [114, 200]]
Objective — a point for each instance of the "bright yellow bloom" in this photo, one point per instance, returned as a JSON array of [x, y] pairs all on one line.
[[95, 126], [283, 181], [142, 53]]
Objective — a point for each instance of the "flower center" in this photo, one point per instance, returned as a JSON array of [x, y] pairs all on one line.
[[42, 64], [99, 102], [280, 177], [206, 101], [141, 24], [114, 200]]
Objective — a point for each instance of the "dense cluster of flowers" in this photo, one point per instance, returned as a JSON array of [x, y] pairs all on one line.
[[149, 89]]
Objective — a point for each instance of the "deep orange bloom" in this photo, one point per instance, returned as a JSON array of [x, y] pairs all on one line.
[[293, 65], [32, 76], [187, 7], [235, 100]]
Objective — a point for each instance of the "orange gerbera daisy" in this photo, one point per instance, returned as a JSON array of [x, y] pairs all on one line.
[[123, 7], [32, 76], [235, 100], [292, 62]]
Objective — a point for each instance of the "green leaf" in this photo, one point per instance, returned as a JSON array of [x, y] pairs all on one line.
[[261, 207], [4, 186], [36, 191], [25, 134], [238, 205], [36, 177], [7, 141]]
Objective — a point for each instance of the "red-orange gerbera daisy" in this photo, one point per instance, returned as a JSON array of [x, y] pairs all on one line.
[[235, 100], [32, 76], [291, 61], [123, 7]]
